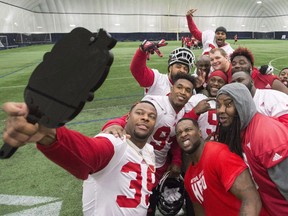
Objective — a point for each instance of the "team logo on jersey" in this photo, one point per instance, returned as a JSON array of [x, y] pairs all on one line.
[[276, 157], [198, 185], [268, 86]]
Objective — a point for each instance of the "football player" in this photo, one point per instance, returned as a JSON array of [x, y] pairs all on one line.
[[242, 59], [269, 102], [106, 159], [283, 76], [208, 38], [217, 180], [260, 140]]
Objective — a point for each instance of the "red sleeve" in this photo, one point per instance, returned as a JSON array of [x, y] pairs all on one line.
[[78, 154], [191, 115], [193, 28], [176, 152], [284, 119], [118, 121], [143, 74], [255, 73]]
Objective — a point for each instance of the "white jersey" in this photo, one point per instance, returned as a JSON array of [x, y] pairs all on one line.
[[160, 86], [132, 170], [271, 102], [164, 128], [207, 121], [208, 41]]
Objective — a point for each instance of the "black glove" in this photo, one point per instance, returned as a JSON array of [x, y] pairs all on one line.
[[150, 47]]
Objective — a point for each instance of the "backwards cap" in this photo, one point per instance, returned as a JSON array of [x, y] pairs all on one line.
[[221, 28]]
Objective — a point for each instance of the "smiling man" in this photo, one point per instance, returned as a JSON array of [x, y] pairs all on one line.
[[103, 158], [170, 108]]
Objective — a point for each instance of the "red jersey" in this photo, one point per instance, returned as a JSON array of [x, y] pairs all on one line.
[[209, 181], [265, 144], [262, 81]]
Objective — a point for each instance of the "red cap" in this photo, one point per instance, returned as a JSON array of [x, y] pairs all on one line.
[[219, 73]]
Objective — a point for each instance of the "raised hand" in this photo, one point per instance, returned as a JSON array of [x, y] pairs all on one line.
[[191, 12], [151, 47]]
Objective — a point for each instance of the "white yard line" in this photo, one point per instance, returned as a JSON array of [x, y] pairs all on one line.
[[270, 63]]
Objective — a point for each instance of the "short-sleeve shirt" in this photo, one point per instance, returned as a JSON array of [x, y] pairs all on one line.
[[208, 182]]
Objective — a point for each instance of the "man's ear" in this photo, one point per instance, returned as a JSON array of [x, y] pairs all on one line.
[[199, 131], [127, 117], [169, 69]]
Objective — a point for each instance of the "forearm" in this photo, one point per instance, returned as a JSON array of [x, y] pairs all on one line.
[[192, 114], [143, 74], [176, 153], [78, 154], [118, 121], [248, 208], [244, 189]]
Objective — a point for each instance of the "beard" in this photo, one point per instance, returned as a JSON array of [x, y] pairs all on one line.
[[140, 136]]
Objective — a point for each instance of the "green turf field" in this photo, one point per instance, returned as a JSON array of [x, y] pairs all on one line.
[[28, 173]]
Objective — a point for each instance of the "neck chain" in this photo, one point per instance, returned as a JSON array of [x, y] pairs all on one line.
[[139, 153]]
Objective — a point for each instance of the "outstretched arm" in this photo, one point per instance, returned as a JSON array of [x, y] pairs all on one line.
[[192, 26], [69, 149], [19, 131]]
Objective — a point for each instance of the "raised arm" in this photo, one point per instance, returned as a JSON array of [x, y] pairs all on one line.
[[192, 26], [138, 67]]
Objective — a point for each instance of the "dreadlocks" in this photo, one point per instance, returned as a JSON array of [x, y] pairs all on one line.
[[230, 135]]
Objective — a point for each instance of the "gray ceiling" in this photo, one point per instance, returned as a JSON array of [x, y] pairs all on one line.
[[143, 16]]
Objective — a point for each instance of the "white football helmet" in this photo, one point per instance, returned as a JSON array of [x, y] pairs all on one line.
[[182, 55]]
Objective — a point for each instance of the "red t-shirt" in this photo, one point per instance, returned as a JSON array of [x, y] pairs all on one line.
[[209, 181]]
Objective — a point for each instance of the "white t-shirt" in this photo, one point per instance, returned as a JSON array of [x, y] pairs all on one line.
[[132, 170]]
